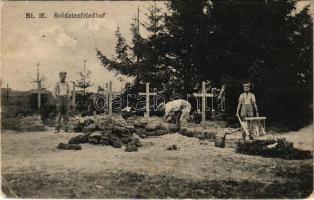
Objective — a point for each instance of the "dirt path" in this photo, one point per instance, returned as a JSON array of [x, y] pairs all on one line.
[[29, 153]]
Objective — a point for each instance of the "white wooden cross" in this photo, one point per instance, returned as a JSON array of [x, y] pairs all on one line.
[[147, 94], [204, 95]]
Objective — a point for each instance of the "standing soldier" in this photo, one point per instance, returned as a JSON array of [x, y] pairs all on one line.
[[61, 93], [246, 103]]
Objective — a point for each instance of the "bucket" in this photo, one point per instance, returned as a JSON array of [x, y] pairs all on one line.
[[220, 140]]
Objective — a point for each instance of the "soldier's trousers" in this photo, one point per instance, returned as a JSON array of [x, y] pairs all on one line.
[[62, 111], [185, 115], [246, 111]]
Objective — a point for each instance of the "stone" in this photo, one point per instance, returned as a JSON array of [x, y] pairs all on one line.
[[116, 142], [65, 146], [170, 127], [80, 139], [199, 135], [88, 121], [136, 141], [172, 147], [90, 128], [105, 122], [152, 126], [95, 137], [209, 135], [161, 132], [186, 132], [131, 129], [105, 139], [141, 133], [139, 124], [130, 147]]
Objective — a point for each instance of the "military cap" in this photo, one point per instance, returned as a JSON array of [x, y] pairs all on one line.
[[62, 72]]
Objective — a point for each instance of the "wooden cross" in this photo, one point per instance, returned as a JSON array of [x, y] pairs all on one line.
[[147, 94], [73, 97], [204, 95], [106, 96]]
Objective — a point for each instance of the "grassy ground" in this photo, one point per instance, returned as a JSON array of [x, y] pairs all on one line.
[[33, 168]]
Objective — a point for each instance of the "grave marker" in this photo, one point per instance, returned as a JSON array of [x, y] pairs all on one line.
[[147, 94], [204, 95]]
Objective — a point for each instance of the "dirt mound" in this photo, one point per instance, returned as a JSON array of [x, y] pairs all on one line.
[[31, 123], [10, 123], [200, 134], [115, 137], [24, 123], [89, 124], [279, 147]]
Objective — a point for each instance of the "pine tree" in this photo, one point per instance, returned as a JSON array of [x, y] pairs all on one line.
[[145, 58], [84, 81]]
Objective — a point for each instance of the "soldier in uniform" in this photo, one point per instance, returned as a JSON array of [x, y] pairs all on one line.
[[246, 104], [61, 93]]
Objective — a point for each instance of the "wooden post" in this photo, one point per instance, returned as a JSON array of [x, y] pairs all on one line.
[[204, 95], [39, 96], [203, 102], [147, 100], [212, 103], [73, 97], [7, 94], [147, 94], [38, 90], [110, 98], [107, 96]]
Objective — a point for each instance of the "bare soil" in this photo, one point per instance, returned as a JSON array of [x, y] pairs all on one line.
[[32, 167]]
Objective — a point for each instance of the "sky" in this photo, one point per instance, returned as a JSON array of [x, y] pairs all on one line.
[[63, 44]]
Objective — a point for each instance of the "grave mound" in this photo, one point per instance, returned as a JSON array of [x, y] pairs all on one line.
[[279, 148]]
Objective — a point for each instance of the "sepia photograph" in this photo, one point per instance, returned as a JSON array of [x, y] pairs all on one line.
[[195, 99]]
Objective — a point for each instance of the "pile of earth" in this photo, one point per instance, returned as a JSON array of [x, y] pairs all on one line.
[[103, 130], [279, 148], [154, 126], [89, 124], [30, 123], [115, 131]]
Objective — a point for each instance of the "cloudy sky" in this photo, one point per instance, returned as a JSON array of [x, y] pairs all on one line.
[[62, 44]]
